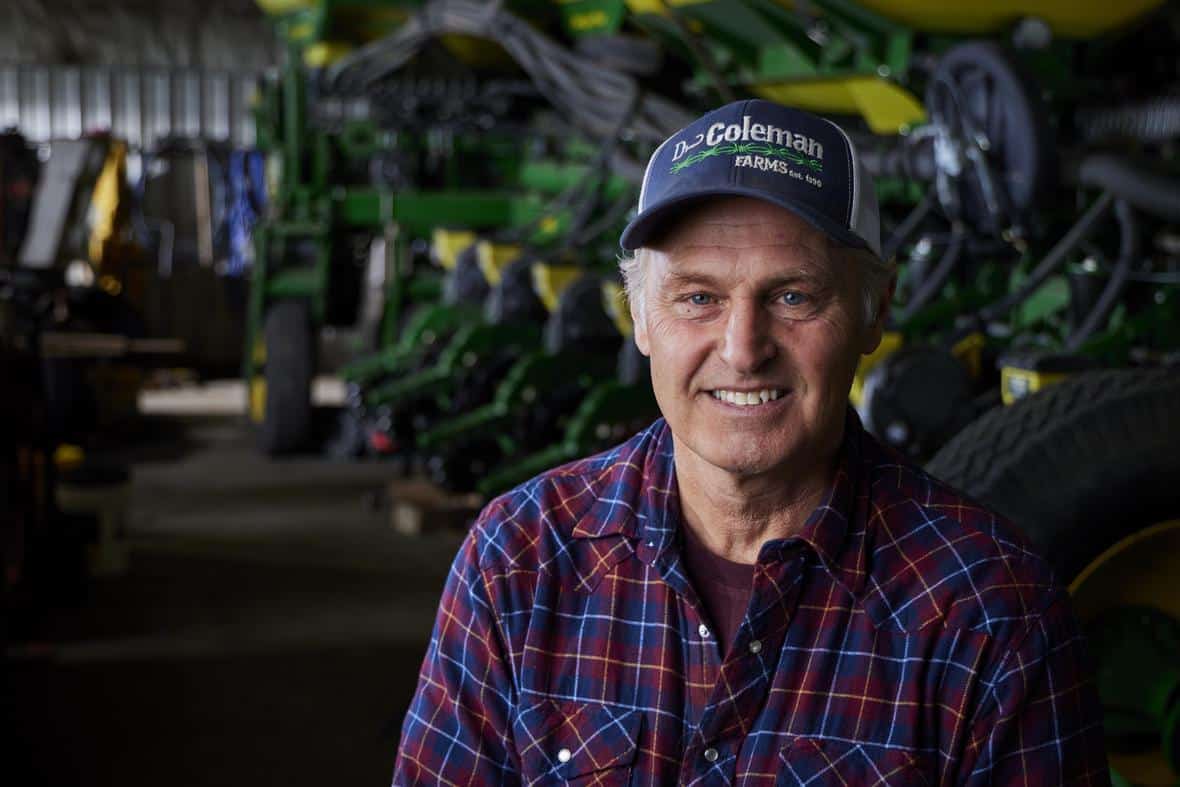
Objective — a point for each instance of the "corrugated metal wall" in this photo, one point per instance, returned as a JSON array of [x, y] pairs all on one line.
[[140, 105]]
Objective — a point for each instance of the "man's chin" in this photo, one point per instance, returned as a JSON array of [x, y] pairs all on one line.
[[743, 460]]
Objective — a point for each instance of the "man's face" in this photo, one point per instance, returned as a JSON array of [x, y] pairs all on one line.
[[754, 328]]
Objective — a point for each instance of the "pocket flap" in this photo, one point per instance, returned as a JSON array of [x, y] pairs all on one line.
[[565, 740], [817, 761]]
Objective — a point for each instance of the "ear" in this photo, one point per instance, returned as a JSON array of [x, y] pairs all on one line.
[[874, 330], [639, 325]]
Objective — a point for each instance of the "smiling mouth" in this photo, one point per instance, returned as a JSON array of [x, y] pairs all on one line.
[[748, 398]]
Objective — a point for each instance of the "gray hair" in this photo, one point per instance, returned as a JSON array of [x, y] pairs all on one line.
[[876, 276]]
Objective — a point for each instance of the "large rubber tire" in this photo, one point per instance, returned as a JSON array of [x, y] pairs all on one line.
[[1079, 466], [290, 363]]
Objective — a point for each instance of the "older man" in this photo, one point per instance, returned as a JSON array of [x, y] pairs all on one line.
[[751, 591]]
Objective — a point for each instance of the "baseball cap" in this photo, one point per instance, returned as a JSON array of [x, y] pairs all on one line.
[[755, 148]]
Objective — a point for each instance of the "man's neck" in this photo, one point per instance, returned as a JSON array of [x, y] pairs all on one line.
[[733, 516]]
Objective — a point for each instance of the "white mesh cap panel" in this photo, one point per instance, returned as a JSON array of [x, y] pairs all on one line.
[[864, 217]]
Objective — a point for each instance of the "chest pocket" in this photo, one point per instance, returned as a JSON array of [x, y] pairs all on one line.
[[818, 763], [576, 743]]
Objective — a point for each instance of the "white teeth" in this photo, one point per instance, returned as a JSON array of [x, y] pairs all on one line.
[[747, 399]]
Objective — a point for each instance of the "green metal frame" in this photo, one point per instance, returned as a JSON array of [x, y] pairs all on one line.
[[310, 208], [528, 379], [433, 324], [470, 345], [752, 42], [610, 412]]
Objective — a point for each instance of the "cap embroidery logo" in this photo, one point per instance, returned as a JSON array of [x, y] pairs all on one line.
[[748, 149]]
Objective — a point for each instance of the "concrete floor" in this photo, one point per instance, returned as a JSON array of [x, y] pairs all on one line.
[[269, 631]]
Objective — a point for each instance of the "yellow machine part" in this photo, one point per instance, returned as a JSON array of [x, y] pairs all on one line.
[[325, 53], [445, 245], [258, 352], [614, 301], [257, 392], [891, 342], [1016, 383], [110, 285], [493, 257], [258, 398], [659, 6], [590, 21], [105, 201], [548, 227], [969, 352], [1068, 18], [280, 7], [68, 456], [1139, 570], [550, 281], [886, 107]]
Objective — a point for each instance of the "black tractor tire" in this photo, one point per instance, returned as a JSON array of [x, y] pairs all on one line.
[[290, 364], [1078, 466]]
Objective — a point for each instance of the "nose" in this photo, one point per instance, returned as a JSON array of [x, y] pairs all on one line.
[[746, 345]]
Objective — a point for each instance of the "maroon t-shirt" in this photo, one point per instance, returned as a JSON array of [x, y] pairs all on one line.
[[723, 585]]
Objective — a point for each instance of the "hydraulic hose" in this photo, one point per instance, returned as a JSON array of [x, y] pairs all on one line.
[[1128, 252], [1150, 192], [938, 277], [907, 227], [1076, 234], [594, 97]]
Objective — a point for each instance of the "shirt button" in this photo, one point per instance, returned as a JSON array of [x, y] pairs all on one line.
[[563, 755], [711, 754], [703, 630], [756, 646]]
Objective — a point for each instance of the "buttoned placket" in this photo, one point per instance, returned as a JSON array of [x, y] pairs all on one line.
[[702, 659], [755, 651], [721, 724]]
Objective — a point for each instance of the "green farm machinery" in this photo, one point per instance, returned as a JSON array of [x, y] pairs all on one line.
[[438, 148], [1024, 155]]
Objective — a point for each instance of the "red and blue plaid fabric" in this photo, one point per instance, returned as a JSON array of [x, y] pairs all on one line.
[[906, 636]]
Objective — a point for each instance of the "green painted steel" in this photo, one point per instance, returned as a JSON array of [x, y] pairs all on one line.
[[527, 381], [469, 346], [294, 283], [610, 412]]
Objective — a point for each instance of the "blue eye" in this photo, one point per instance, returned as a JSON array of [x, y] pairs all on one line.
[[793, 298], [700, 299]]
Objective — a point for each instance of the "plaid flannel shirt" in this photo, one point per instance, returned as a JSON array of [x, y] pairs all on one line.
[[906, 636]]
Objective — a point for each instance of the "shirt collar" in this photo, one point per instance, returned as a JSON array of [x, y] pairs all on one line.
[[633, 486], [637, 497]]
